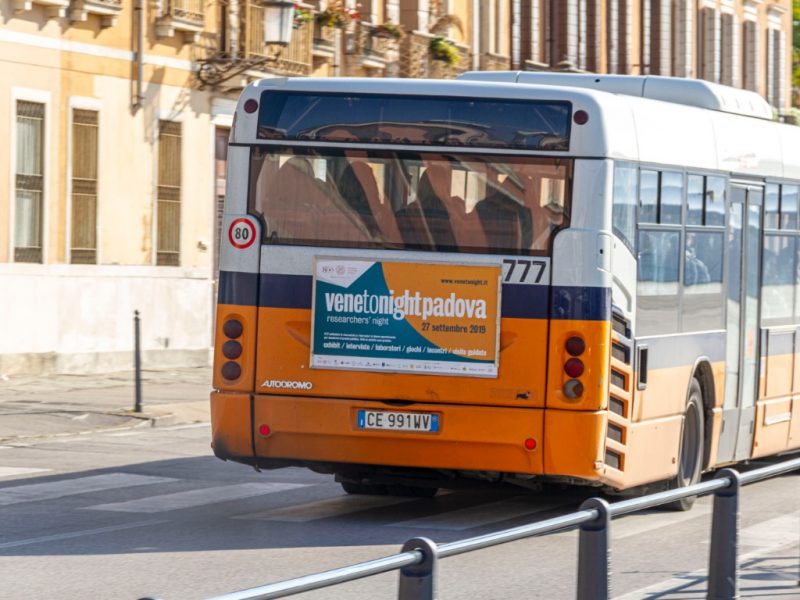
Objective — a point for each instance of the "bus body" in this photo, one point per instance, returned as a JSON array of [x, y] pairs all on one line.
[[507, 277]]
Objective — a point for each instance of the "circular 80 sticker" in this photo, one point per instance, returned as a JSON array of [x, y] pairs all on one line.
[[242, 233]]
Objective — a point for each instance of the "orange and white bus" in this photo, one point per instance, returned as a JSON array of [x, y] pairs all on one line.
[[513, 277]]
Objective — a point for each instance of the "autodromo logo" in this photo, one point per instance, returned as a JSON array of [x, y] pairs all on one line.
[[283, 384]]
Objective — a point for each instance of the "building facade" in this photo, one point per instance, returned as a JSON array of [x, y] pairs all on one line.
[[117, 113]]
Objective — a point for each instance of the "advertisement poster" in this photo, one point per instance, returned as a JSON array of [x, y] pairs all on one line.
[[406, 317]]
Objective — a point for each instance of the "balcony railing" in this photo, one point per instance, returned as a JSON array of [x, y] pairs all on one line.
[[371, 48], [324, 42], [184, 16], [54, 9], [494, 62], [294, 59], [416, 60], [107, 10]]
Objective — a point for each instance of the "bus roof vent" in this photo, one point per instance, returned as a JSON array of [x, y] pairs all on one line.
[[691, 92]]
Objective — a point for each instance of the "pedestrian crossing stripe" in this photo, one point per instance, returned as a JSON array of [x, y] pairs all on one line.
[[194, 498], [34, 492], [17, 471], [324, 509]]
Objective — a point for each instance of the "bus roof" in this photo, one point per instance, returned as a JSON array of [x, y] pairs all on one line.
[[645, 119], [679, 90]]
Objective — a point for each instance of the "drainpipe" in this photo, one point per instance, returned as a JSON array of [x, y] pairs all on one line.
[[476, 35], [139, 53], [233, 29]]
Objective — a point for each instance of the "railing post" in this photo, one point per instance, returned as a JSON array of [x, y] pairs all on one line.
[[722, 559], [593, 553], [418, 582]]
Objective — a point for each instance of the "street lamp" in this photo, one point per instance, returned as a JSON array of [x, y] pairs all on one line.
[[278, 20], [222, 66]]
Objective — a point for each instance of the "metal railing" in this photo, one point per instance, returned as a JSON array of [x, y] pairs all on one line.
[[418, 558]]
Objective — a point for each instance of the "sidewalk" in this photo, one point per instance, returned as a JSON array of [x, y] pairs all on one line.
[[32, 407]]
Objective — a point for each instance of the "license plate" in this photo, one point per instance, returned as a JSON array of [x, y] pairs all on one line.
[[398, 421]]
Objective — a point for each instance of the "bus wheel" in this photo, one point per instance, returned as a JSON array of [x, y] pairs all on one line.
[[690, 462], [364, 489]]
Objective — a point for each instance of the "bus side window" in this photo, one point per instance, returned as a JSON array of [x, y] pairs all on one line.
[[702, 280], [657, 288], [790, 196], [777, 297]]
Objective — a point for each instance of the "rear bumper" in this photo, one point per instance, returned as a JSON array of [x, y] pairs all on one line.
[[471, 438]]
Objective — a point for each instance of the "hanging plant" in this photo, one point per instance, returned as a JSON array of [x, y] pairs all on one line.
[[444, 50], [388, 30], [301, 17], [337, 15]]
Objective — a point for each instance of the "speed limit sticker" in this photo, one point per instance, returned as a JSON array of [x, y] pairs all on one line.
[[242, 233]]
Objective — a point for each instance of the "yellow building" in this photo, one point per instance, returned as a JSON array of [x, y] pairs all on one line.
[[109, 179], [116, 114]]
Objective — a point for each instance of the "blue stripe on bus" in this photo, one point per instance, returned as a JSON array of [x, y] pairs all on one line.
[[518, 301], [581, 303], [238, 288], [285, 291]]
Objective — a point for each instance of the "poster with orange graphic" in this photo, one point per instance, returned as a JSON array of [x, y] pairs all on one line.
[[426, 318]]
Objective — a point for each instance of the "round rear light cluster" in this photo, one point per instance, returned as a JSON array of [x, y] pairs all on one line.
[[232, 349], [250, 105], [574, 367], [575, 346]]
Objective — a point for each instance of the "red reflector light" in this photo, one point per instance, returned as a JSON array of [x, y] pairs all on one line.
[[231, 370], [581, 117], [232, 349], [232, 328], [574, 367], [573, 389], [575, 346], [264, 430], [530, 444], [250, 106]]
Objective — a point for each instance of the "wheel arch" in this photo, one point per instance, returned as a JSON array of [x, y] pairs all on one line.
[[705, 377]]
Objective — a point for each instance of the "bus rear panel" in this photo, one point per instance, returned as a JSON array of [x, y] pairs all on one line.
[[409, 293]]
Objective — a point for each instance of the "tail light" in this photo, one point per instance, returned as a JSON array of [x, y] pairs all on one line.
[[233, 328], [573, 389], [575, 346], [232, 349], [574, 367]]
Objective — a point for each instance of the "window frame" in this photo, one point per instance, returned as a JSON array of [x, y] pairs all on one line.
[[684, 229], [41, 97], [89, 104], [780, 231], [168, 254]]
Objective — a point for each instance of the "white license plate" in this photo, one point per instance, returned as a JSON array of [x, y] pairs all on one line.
[[398, 421]]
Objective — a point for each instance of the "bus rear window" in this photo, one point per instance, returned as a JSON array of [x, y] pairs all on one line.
[[420, 120], [402, 200]]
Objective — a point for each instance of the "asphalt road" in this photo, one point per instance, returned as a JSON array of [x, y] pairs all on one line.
[[149, 512]]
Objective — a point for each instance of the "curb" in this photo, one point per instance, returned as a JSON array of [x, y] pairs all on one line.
[[136, 421]]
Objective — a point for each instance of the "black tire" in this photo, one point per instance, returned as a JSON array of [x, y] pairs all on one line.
[[690, 457], [364, 489]]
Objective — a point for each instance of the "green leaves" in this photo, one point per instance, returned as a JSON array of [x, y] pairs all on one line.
[[796, 48]]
